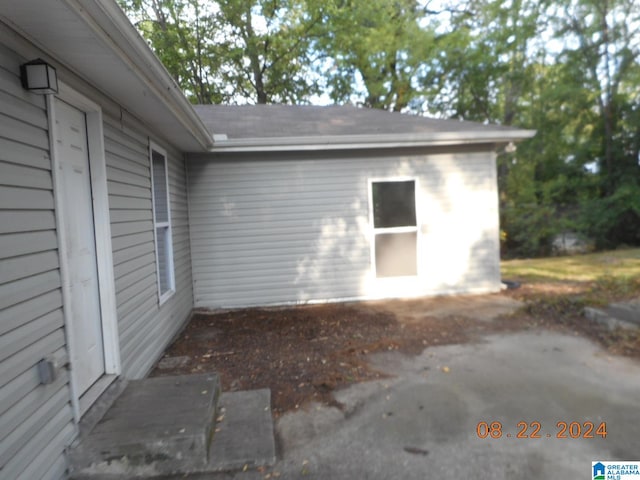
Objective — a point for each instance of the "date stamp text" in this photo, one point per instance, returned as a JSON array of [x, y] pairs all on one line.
[[534, 429]]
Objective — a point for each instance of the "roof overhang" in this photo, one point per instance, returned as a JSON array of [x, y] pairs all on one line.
[[96, 41], [359, 142]]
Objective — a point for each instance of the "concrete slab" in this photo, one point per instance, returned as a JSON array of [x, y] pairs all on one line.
[[244, 433], [423, 422], [626, 311], [157, 425], [162, 426], [614, 317]]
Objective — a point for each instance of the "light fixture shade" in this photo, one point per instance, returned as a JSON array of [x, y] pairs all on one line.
[[39, 77]]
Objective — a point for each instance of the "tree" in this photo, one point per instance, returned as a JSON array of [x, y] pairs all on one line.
[[231, 51], [486, 60], [603, 38], [492, 67], [265, 47], [602, 48], [181, 32], [373, 51]]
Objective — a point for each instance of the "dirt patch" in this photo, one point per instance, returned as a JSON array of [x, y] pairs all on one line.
[[304, 353]]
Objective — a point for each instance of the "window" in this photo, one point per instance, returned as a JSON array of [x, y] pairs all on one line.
[[395, 231], [162, 223]]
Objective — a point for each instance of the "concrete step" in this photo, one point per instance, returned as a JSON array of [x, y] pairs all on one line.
[[626, 311], [244, 433], [177, 425], [156, 425], [616, 315]]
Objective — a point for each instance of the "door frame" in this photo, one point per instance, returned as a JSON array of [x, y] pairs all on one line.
[[372, 238], [102, 232]]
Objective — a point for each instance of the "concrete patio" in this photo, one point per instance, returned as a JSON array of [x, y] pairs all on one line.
[[424, 421]]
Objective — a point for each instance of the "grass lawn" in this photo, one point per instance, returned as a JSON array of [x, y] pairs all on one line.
[[593, 279], [619, 265], [556, 290]]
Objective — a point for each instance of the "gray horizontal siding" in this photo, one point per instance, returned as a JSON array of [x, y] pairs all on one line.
[[35, 420], [295, 228], [145, 328]]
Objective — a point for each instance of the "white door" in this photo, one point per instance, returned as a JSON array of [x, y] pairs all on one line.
[[80, 256]]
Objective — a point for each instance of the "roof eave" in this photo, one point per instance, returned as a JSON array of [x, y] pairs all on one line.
[[154, 75], [358, 142], [137, 81]]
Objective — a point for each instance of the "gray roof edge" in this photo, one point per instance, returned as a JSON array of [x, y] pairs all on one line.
[[342, 142]]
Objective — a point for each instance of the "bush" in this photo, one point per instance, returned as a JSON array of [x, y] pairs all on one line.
[[614, 220], [530, 230]]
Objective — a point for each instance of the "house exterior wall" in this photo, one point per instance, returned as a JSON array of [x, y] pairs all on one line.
[[144, 328], [36, 421], [295, 227]]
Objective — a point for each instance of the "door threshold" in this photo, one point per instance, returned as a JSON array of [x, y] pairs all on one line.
[[89, 397]]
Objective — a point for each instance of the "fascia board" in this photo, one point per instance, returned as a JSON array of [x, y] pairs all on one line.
[[349, 142], [124, 40]]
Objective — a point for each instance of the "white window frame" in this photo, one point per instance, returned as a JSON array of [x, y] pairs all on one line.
[[375, 231], [162, 297]]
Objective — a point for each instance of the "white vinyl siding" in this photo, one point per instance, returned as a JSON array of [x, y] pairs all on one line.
[[162, 223], [291, 228], [36, 421], [145, 326]]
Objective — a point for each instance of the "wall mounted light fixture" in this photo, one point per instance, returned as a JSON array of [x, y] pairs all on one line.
[[38, 76]]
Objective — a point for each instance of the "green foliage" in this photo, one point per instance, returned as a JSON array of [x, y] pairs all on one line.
[[484, 64], [181, 32], [531, 228], [574, 175], [373, 51], [614, 219], [231, 51], [265, 47]]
